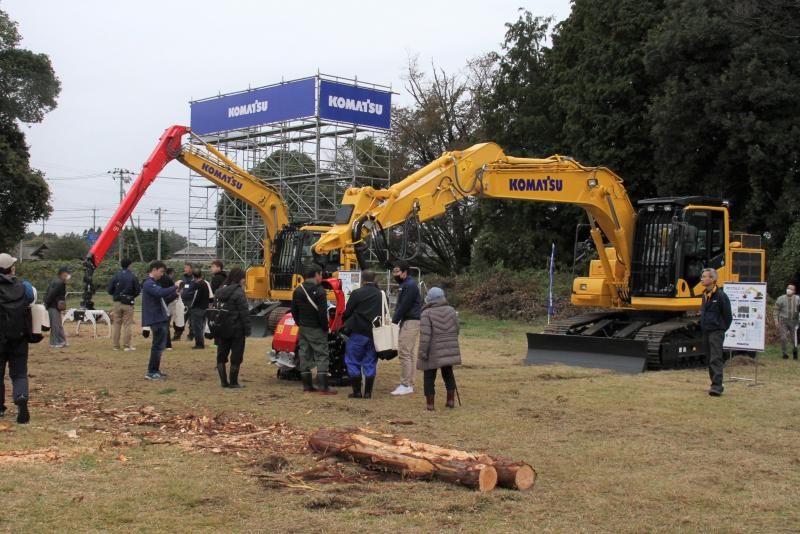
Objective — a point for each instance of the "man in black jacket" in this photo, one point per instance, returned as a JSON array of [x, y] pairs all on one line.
[[55, 302], [406, 314], [310, 314], [199, 305], [363, 306], [218, 275], [167, 281], [123, 288], [715, 319]]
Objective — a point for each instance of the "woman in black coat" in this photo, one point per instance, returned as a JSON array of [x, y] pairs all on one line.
[[231, 297]]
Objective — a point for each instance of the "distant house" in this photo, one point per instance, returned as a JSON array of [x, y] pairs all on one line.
[[193, 253], [32, 252]]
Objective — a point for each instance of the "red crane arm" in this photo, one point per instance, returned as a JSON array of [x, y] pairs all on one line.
[[167, 149]]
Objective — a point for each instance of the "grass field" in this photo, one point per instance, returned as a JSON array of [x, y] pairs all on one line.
[[614, 453]]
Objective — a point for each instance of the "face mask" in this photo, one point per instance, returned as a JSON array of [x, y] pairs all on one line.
[[69, 276], [789, 292]]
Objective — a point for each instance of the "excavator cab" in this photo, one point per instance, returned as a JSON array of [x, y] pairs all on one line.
[[674, 240]]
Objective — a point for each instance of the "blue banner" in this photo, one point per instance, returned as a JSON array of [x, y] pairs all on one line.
[[287, 101], [355, 105]]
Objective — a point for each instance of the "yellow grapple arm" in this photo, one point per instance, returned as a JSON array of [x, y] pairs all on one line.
[[209, 162], [483, 170]]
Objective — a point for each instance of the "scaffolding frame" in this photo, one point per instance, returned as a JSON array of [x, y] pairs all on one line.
[[310, 160]]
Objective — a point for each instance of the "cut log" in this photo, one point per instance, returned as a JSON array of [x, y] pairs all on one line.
[[403, 459], [330, 441], [510, 474], [514, 475]]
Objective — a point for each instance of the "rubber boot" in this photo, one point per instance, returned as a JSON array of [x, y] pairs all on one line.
[[785, 356], [223, 378], [368, 382], [234, 380], [355, 381], [322, 384], [794, 354], [23, 415], [429, 402], [451, 398], [308, 385]]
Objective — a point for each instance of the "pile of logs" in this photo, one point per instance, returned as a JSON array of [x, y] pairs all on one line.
[[414, 459]]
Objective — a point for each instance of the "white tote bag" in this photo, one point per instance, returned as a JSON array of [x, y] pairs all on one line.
[[385, 334]]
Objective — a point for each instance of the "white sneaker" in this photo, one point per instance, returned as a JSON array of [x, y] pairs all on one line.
[[403, 390], [129, 349]]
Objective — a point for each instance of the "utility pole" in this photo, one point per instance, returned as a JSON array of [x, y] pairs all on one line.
[[159, 211], [94, 218], [124, 176]]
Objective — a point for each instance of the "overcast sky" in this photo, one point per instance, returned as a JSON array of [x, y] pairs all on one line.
[[128, 71]]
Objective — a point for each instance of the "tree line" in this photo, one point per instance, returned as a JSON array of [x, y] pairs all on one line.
[[678, 97]]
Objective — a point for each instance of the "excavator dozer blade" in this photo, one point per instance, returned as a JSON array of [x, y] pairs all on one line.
[[260, 320], [621, 355]]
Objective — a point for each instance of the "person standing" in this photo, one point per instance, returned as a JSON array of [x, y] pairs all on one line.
[[123, 288], [167, 281], [231, 298], [154, 315], [186, 299], [787, 308], [438, 345], [715, 319], [310, 313], [56, 302], [198, 307], [406, 314], [15, 329], [363, 306], [218, 275]]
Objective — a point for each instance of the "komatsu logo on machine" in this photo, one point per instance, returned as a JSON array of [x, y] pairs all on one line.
[[365, 106], [216, 173], [534, 184], [257, 106]]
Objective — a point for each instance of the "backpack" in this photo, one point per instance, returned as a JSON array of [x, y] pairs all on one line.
[[222, 318], [15, 314]]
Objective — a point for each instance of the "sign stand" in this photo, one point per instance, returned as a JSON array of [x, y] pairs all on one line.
[[754, 380]]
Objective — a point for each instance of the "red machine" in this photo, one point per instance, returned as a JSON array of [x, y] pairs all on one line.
[[284, 341]]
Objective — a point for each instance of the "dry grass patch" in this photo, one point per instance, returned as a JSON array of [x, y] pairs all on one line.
[[614, 453]]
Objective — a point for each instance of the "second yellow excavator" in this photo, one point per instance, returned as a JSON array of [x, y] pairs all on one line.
[[647, 275]]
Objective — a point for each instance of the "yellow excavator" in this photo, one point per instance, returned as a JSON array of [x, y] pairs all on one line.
[[287, 247], [644, 282]]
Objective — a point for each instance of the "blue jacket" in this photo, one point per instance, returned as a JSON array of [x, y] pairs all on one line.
[[154, 310], [409, 302], [715, 313], [123, 283]]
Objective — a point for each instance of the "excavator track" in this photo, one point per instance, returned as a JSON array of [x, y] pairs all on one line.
[[661, 340]]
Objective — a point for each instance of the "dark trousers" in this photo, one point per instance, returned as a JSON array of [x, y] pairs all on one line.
[[447, 375], [159, 333], [198, 318], [233, 345], [713, 340], [15, 353], [168, 342]]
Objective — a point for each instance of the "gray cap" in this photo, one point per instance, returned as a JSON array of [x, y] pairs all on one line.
[[434, 293], [7, 260]]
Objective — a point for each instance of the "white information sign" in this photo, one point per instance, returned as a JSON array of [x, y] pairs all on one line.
[[749, 308], [351, 280]]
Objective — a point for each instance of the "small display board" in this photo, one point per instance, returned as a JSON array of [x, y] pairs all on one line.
[[749, 307], [351, 280]]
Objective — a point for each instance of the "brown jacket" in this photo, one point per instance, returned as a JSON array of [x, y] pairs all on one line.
[[438, 336]]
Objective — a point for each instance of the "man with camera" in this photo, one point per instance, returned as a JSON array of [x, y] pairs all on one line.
[[123, 288]]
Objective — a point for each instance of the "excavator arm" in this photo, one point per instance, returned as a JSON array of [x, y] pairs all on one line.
[[214, 166], [484, 171]]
